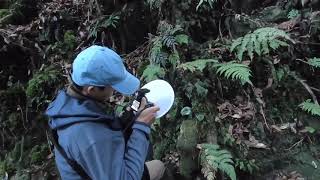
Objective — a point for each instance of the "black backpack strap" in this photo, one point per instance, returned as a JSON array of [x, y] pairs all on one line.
[[53, 136]]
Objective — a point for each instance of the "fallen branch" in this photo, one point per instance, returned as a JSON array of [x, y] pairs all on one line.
[[306, 86]]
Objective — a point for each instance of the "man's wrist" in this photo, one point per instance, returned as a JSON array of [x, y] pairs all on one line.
[[144, 127]]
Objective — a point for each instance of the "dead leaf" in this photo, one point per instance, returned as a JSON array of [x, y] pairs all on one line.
[[278, 129]]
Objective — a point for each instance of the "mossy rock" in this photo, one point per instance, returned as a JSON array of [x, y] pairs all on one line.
[[187, 165], [187, 140]]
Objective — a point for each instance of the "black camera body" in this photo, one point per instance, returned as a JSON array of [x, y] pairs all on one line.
[[130, 114]]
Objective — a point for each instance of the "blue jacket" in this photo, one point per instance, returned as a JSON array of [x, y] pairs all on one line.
[[100, 150]]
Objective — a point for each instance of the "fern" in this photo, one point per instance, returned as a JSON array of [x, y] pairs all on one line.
[[201, 2], [103, 22], [153, 72], [315, 62], [214, 159], [310, 107], [234, 71], [155, 4], [259, 42], [199, 64], [164, 44], [293, 14]]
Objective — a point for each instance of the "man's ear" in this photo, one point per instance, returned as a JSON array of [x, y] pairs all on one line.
[[90, 89], [87, 90]]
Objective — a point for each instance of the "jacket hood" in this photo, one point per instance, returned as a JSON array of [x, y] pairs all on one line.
[[66, 110]]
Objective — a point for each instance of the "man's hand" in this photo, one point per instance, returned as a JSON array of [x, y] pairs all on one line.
[[147, 115]]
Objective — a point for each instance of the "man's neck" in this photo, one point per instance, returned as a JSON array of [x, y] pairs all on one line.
[[74, 92]]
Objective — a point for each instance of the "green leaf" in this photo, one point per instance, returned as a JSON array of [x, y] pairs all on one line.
[[186, 111], [182, 39], [293, 13], [310, 129], [199, 64], [201, 91], [310, 107], [200, 117], [216, 159], [260, 41], [174, 59], [153, 72], [315, 62], [233, 71]]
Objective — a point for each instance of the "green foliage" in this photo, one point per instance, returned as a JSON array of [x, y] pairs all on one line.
[[214, 159], [310, 129], [310, 107], [315, 62], [293, 13], [202, 2], [259, 42], [186, 111], [247, 165], [14, 159], [155, 4], [38, 153], [104, 22], [164, 44], [153, 72], [198, 64], [234, 71], [187, 140], [39, 88], [182, 39], [69, 41], [4, 12]]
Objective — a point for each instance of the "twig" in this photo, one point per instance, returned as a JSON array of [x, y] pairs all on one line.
[[264, 117], [295, 144], [307, 87], [220, 33], [315, 89], [22, 118]]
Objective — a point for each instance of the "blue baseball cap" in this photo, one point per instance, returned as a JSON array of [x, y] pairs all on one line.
[[101, 66]]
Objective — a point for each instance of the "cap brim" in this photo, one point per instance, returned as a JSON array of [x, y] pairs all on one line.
[[128, 86]]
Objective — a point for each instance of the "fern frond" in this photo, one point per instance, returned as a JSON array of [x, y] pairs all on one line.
[[155, 4], [260, 41], [233, 71], [163, 46], [153, 72], [199, 64], [310, 107], [214, 159], [182, 39], [315, 62], [210, 2]]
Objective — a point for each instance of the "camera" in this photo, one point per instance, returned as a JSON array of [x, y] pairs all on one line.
[[135, 105], [132, 110]]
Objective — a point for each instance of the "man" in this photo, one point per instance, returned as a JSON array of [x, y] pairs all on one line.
[[89, 143]]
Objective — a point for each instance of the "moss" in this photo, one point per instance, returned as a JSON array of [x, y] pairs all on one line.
[[188, 136], [186, 144], [187, 165], [69, 40]]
